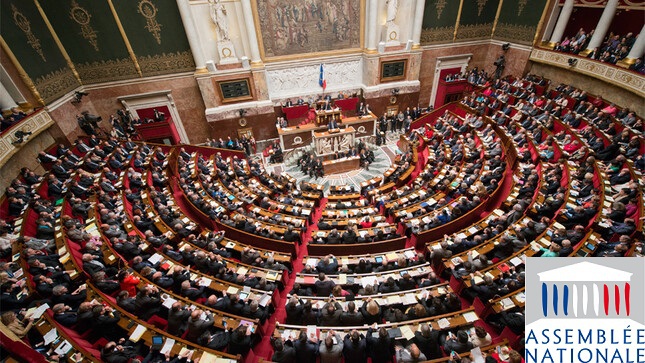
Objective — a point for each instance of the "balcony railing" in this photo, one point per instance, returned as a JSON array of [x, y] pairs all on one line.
[[609, 73], [35, 123]]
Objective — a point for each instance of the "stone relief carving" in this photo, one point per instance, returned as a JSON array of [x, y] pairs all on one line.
[[304, 79]]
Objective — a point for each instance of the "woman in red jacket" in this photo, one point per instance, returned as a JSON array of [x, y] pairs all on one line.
[[128, 282]]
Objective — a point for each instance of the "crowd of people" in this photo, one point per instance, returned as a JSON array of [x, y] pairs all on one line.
[[614, 48], [567, 143]]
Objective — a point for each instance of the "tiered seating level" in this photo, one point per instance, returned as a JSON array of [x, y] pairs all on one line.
[[247, 185]]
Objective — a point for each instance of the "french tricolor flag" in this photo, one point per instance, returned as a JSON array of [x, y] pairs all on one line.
[[321, 80]]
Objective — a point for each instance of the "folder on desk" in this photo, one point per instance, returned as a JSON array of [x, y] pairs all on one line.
[[471, 316], [443, 323], [137, 333], [342, 279], [271, 275], [309, 280]]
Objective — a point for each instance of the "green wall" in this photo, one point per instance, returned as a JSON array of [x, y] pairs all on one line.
[[518, 20], [89, 33], [513, 25], [439, 20], [20, 24], [477, 17]]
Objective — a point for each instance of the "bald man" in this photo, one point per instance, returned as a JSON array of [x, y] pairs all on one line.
[[197, 326], [411, 354]]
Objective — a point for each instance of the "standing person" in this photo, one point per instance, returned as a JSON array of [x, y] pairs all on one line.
[[355, 347], [380, 349], [331, 348]]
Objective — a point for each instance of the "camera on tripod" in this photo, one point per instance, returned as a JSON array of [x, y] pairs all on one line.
[[21, 136]]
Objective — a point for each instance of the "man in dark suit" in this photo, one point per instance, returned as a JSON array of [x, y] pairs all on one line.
[[177, 319], [332, 125], [148, 302], [330, 313], [428, 342], [306, 349], [294, 310], [197, 326], [355, 347], [380, 349], [64, 315], [351, 317], [283, 353], [324, 286]]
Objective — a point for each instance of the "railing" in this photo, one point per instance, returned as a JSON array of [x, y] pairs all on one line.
[[35, 123], [609, 73]]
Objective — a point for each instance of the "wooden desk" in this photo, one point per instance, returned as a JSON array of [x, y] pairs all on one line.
[[299, 136], [342, 165], [452, 320]]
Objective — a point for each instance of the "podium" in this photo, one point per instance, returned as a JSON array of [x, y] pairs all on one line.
[[323, 117], [328, 143]]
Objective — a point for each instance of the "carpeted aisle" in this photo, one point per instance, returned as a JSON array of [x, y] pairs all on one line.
[[264, 348]]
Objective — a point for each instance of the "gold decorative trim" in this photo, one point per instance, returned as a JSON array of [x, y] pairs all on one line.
[[499, 11], [439, 6], [522, 34], [133, 57], [149, 11], [56, 84], [521, 4], [21, 71], [480, 6], [35, 124], [616, 76], [474, 31], [437, 35], [82, 17], [59, 44], [106, 70], [167, 63], [23, 23], [548, 7], [461, 6]]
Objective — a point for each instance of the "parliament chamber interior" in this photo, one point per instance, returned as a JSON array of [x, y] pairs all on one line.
[[307, 180]]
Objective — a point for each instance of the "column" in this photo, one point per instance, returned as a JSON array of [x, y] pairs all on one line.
[[250, 31], [563, 20], [639, 46], [418, 23], [373, 31], [603, 24], [191, 34], [6, 101]]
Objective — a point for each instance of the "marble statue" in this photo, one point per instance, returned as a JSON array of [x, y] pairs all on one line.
[[220, 18], [392, 9]]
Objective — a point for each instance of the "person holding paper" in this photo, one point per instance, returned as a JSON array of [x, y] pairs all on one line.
[[329, 351], [240, 340], [117, 353], [306, 348], [458, 343], [427, 340], [197, 326], [18, 327], [355, 347], [380, 349]]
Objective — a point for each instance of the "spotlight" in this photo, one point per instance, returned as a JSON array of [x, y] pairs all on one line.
[[78, 96], [572, 62], [506, 46]]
